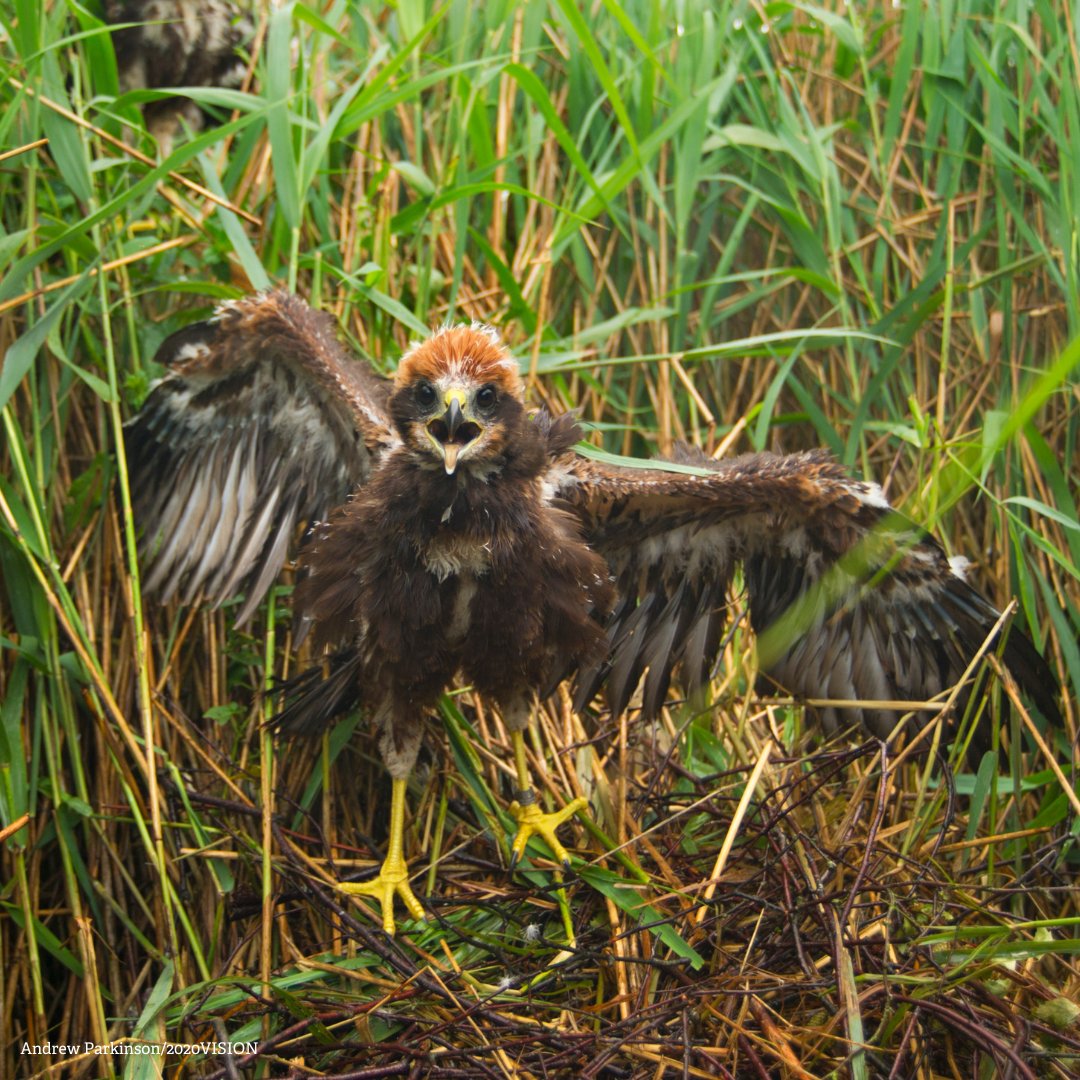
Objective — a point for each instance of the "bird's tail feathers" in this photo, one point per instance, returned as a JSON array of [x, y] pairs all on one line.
[[316, 697]]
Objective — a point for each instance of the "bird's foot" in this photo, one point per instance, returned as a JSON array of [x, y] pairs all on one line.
[[531, 819], [393, 878]]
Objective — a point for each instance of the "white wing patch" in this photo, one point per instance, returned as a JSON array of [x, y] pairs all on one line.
[[960, 566], [870, 494]]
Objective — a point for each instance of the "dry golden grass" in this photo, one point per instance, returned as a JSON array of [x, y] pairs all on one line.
[[747, 903]]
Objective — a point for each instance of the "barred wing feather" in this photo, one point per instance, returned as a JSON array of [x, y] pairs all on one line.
[[849, 601], [262, 422]]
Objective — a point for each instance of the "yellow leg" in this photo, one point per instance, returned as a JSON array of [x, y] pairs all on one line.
[[530, 818], [394, 873]]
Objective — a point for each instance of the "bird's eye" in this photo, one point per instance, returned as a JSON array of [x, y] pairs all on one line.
[[425, 395], [485, 397]]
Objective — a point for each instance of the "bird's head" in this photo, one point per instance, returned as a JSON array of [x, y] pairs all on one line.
[[458, 398]]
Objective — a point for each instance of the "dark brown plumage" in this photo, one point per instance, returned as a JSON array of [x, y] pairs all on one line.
[[468, 570], [178, 43], [457, 533]]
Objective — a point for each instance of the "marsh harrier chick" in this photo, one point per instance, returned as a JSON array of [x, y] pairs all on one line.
[[456, 534], [161, 44]]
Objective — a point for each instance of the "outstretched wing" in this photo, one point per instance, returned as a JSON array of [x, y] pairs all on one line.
[[849, 601], [263, 421]]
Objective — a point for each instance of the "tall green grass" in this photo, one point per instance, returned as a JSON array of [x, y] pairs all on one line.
[[741, 226]]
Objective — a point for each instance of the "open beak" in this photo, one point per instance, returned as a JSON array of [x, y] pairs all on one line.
[[454, 431]]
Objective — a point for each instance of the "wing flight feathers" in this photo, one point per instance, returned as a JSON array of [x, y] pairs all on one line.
[[848, 600], [262, 421]]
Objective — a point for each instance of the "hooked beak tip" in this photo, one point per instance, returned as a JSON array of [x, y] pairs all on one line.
[[453, 418]]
